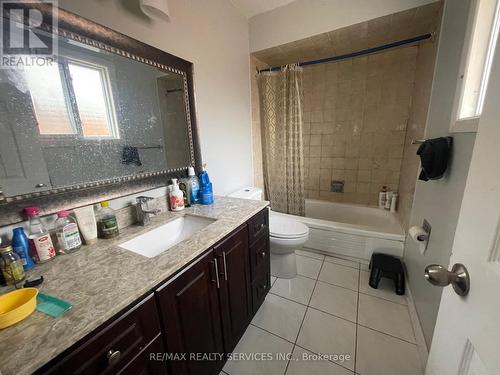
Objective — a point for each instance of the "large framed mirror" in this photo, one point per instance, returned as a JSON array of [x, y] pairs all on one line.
[[108, 110]]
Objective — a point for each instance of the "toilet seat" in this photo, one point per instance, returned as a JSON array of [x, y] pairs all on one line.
[[283, 228]]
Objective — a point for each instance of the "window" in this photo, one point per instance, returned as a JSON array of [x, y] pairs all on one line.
[[479, 49], [73, 98]]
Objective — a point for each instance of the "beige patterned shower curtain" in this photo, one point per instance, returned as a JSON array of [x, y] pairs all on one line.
[[281, 97]]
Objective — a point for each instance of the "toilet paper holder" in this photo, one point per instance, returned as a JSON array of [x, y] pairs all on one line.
[[421, 235]]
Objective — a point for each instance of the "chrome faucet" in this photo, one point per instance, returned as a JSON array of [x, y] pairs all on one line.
[[143, 212]]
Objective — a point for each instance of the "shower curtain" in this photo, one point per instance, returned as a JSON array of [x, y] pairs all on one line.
[[281, 99]]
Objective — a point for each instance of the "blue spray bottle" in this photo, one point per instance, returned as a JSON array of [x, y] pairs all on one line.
[[206, 190], [20, 245]]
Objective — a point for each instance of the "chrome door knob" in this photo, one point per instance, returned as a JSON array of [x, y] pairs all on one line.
[[458, 277]]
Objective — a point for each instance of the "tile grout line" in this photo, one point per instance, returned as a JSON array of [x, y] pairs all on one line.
[[357, 320], [305, 313], [387, 334]]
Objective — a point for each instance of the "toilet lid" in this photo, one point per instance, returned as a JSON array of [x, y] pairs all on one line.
[[281, 227]]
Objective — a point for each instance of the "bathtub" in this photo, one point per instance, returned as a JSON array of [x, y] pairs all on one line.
[[351, 230]]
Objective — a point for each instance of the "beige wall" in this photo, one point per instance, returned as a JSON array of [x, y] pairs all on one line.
[[214, 36], [304, 18], [355, 116]]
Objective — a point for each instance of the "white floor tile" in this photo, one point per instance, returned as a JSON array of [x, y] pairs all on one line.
[[385, 289], [256, 340], [305, 362], [335, 300], [273, 279], [385, 316], [340, 275], [280, 316], [379, 354], [344, 262], [329, 335], [298, 289], [308, 267], [309, 254]]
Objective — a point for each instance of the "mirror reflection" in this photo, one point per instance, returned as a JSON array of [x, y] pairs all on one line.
[[89, 116]]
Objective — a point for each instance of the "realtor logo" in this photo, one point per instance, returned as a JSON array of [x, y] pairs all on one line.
[[23, 42]]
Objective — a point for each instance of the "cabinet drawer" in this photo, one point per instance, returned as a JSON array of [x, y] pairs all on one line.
[[258, 226], [150, 361], [259, 256], [110, 349], [260, 286]]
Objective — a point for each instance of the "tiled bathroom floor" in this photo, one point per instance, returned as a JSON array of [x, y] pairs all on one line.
[[330, 309]]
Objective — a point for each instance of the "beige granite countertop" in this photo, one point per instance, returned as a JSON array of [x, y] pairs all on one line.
[[102, 279]]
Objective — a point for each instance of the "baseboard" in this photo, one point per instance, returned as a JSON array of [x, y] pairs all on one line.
[[423, 351]]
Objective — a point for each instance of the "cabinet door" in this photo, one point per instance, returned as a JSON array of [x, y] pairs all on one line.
[[190, 313], [235, 292]]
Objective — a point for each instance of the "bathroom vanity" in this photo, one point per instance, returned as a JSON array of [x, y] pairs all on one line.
[[129, 311], [141, 295]]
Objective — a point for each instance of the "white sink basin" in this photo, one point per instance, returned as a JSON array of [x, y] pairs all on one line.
[[158, 240]]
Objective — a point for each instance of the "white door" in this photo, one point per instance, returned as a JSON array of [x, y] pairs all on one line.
[[467, 335]]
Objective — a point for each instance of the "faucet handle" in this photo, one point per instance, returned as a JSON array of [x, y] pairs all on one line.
[[143, 199]]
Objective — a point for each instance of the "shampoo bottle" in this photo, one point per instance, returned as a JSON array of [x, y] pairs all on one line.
[[382, 197], [394, 202], [176, 197], [20, 244]]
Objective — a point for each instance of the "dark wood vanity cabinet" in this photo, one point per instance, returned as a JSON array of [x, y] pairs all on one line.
[[189, 324], [190, 312], [125, 342], [235, 293]]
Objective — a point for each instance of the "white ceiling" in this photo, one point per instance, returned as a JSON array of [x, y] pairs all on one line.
[[250, 8]]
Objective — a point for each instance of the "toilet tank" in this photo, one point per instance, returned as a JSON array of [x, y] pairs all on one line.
[[247, 193]]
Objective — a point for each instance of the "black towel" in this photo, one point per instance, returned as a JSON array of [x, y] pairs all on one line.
[[434, 155], [130, 155]]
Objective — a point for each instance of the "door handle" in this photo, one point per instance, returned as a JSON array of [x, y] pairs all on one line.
[[458, 277], [225, 264]]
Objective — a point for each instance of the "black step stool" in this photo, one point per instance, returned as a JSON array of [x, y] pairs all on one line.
[[383, 265]]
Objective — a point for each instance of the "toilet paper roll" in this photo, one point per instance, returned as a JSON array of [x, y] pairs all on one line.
[[418, 234]]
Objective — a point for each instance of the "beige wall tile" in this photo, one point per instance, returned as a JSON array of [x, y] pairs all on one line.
[[360, 114]]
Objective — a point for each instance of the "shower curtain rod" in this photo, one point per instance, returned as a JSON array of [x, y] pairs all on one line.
[[359, 53]]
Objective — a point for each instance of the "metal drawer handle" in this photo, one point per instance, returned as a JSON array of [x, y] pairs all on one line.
[[113, 357], [225, 264], [263, 254], [261, 226], [216, 274], [40, 185]]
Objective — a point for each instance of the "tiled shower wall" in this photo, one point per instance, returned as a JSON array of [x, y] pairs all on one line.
[[355, 117]]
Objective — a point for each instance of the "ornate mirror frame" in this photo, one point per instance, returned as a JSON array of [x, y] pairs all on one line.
[[77, 28]]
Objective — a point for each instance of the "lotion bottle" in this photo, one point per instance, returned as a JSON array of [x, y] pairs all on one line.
[[176, 197], [394, 201]]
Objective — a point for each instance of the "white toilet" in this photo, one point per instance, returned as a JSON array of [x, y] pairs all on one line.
[[286, 235]]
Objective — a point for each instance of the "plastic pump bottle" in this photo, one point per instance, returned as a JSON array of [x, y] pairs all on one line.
[[176, 197], [195, 186]]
